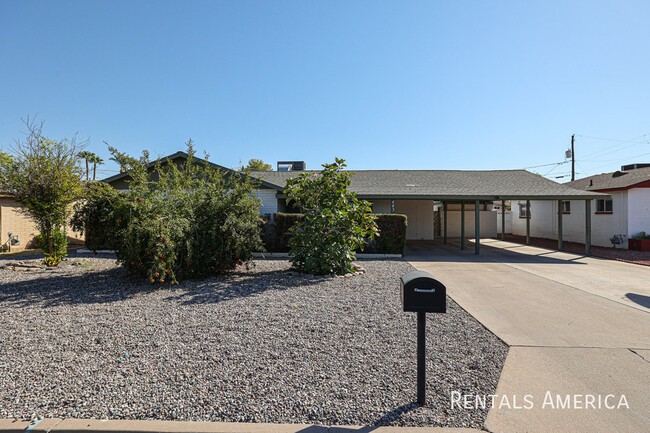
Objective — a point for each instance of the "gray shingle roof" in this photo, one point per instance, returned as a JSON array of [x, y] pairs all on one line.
[[431, 184], [447, 184], [614, 180]]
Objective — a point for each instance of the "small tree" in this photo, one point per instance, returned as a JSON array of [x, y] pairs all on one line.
[[257, 165], [336, 222], [43, 175]]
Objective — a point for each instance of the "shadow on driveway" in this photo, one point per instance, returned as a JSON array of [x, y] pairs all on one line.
[[642, 300]]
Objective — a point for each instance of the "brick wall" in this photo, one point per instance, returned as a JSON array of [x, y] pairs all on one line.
[[12, 220]]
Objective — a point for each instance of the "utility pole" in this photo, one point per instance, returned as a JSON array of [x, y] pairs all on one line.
[[573, 159]]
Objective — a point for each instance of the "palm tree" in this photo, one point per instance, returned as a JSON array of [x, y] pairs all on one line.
[[87, 156], [96, 160]]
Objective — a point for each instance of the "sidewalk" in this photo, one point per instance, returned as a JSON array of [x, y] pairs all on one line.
[[54, 425]]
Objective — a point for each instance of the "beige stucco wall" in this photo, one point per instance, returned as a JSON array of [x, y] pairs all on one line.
[[12, 220]]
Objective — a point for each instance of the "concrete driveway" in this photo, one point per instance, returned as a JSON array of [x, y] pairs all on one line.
[[576, 326]]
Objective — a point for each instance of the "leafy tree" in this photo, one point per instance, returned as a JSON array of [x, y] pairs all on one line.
[[336, 222], [43, 175], [257, 165], [194, 221]]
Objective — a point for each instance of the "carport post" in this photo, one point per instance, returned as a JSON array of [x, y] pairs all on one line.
[[477, 227], [559, 225], [587, 227], [444, 211], [503, 220], [462, 225], [527, 222]]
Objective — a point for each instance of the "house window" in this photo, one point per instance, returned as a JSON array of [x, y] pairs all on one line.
[[604, 206], [566, 206], [523, 210]]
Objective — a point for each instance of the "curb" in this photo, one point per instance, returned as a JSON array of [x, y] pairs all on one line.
[[358, 256], [56, 425], [268, 255]]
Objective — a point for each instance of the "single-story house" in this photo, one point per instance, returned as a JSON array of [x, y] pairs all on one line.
[[621, 215], [437, 203]]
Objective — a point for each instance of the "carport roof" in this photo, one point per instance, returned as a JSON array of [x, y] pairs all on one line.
[[446, 185]]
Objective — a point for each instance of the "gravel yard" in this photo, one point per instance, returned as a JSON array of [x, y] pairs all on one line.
[[262, 345]]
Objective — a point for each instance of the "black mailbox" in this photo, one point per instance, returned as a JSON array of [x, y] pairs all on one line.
[[423, 293]]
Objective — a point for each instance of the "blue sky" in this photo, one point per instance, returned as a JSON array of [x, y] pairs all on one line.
[[391, 84]]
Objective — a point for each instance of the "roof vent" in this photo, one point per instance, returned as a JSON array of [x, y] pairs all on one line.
[[591, 182], [619, 173], [291, 165], [634, 166]]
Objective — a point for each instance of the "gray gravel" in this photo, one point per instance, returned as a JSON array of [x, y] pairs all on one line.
[[82, 341]]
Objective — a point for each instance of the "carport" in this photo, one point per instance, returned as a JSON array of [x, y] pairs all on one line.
[[414, 191]]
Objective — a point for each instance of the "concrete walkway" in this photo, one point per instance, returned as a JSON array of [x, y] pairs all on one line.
[[576, 326]]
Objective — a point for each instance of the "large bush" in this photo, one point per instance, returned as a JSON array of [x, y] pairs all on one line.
[[392, 235], [194, 221], [336, 222]]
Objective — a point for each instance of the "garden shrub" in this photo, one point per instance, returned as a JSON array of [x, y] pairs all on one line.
[[53, 244], [94, 216], [392, 235], [193, 222], [335, 221], [278, 235]]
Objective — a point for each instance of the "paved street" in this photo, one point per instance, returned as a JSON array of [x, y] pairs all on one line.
[[576, 326]]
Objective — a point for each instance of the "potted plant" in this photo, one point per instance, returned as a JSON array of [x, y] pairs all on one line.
[[640, 242]]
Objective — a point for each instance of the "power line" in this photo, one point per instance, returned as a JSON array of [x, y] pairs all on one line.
[[612, 139], [545, 165], [615, 147]]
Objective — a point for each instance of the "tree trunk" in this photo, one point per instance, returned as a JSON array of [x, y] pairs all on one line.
[[94, 169], [86, 168]]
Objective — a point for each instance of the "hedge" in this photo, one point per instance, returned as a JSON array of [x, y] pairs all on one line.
[[276, 231], [391, 239], [392, 235]]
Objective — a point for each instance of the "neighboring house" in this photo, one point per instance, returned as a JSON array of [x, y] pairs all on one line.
[[21, 226], [625, 213], [13, 221], [436, 202]]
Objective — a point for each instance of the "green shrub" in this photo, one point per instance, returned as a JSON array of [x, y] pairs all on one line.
[[641, 235], [193, 222], [54, 245], [277, 231], [335, 221], [94, 216], [392, 235]]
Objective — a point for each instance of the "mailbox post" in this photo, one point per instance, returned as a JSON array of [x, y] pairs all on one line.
[[423, 294]]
